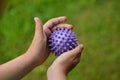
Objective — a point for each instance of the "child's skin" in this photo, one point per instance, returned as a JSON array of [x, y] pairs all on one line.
[[38, 52]]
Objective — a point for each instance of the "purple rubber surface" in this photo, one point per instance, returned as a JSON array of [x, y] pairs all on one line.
[[62, 40]]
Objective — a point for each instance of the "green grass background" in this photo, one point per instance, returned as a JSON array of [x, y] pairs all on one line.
[[96, 23]]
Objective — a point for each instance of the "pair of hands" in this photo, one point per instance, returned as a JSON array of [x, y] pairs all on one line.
[[40, 51]]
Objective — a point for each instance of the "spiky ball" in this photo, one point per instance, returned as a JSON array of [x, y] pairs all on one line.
[[62, 40]]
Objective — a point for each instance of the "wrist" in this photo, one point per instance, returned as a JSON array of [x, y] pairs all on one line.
[[32, 59], [55, 73]]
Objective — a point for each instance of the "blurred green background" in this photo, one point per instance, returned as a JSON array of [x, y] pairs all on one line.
[[96, 23]]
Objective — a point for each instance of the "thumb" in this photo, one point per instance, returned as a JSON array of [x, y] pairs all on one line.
[[38, 26]]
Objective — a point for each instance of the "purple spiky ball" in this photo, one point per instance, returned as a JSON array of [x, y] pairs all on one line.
[[62, 40]]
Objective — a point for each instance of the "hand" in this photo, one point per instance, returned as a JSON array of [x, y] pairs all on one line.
[[39, 49], [64, 63]]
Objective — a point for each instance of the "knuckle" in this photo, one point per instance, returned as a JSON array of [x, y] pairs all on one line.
[[52, 20], [77, 60], [52, 23]]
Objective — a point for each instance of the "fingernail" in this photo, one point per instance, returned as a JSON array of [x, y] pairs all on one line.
[[36, 18], [81, 45]]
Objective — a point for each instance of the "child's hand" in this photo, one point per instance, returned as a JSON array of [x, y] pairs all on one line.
[[39, 49], [64, 63]]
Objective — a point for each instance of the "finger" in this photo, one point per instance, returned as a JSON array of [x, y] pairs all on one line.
[[77, 51], [68, 26], [47, 32], [55, 21], [38, 26]]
